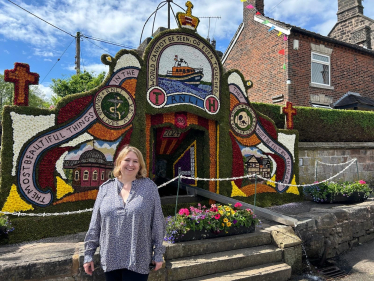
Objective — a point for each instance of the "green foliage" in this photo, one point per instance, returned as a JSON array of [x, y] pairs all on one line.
[[320, 192], [5, 225], [216, 218], [76, 83], [35, 228], [325, 125], [36, 97]]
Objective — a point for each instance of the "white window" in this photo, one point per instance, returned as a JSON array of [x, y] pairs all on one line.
[[102, 175], [76, 175], [321, 69], [94, 175], [86, 175]]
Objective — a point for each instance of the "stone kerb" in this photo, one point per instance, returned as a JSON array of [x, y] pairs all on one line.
[[328, 232]]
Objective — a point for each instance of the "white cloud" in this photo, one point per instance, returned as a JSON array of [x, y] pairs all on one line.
[[122, 23], [42, 53], [6, 51], [46, 90], [47, 60], [95, 68]]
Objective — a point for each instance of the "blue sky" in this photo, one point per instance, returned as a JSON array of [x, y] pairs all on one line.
[[25, 38]]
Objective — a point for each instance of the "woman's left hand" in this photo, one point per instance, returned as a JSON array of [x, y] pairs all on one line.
[[158, 265]]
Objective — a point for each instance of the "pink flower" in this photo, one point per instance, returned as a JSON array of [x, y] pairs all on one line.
[[217, 216], [214, 209], [362, 182], [238, 205], [184, 212]]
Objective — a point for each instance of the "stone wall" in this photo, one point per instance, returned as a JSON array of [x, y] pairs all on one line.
[[335, 153], [328, 231]]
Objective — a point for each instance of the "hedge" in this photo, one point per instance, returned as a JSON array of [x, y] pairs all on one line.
[[325, 125]]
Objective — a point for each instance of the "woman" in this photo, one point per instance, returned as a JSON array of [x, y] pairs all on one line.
[[127, 222]]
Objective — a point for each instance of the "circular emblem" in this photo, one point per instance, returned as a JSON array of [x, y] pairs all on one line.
[[114, 107], [156, 96], [211, 104], [180, 121], [243, 119]]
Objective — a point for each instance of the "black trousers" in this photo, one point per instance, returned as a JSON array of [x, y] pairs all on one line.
[[125, 275]]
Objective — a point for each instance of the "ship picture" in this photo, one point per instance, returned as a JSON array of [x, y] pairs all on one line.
[[183, 73]]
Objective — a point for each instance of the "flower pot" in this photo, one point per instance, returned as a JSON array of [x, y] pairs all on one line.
[[206, 234], [355, 197]]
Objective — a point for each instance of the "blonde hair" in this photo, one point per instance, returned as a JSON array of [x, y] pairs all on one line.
[[142, 173]]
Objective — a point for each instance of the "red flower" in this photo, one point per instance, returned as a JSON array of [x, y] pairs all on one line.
[[238, 205], [184, 212], [217, 216]]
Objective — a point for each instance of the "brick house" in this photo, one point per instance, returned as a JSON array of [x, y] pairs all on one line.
[[314, 70]]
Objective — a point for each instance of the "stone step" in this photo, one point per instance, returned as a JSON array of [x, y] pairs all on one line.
[[270, 272], [199, 247], [197, 266]]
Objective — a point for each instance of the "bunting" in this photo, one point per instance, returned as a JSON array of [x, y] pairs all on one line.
[[265, 22]]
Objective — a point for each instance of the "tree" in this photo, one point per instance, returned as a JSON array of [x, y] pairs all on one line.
[[36, 97], [74, 84]]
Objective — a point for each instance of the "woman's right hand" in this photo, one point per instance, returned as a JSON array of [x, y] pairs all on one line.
[[89, 267]]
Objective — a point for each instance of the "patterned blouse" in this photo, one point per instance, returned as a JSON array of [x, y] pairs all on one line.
[[130, 234]]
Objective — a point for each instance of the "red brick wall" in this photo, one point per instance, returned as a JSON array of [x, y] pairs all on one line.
[[351, 70], [255, 54]]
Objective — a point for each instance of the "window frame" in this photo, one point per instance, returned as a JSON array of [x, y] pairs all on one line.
[[94, 175], [86, 175], [320, 62]]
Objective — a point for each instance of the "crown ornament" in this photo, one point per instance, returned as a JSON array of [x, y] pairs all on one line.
[[187, 20]]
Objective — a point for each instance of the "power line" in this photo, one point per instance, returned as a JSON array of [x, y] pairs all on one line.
[[57, 61], [42, 19], [97, 45], [107, 42], [276, 6]]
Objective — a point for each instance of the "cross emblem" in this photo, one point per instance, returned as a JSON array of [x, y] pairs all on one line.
[[22, 78], [290, 112]]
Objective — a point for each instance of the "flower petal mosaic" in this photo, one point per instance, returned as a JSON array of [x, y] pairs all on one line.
[[176, 104]]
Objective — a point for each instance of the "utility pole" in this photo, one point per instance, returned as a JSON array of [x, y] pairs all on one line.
[[78, 53], [169, 12]]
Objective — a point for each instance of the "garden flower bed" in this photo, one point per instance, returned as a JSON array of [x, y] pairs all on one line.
[[203, 223], [333, 192]]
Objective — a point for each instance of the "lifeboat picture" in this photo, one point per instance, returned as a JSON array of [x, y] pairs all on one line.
[[183, 73]]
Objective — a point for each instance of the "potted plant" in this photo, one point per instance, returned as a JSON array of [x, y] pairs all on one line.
[[5, 227], [216, 221], [334, 192]]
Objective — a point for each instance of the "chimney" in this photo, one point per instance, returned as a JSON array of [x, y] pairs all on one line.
[[214, 43], [349, 8], [258, 4], [248, 13]]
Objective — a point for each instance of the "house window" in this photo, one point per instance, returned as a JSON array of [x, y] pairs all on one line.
[[85, 175], [102, 175], [76, 175], [320, 69], [94, 175]]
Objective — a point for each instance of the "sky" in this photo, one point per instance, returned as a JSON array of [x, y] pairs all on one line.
[[50, 51]]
